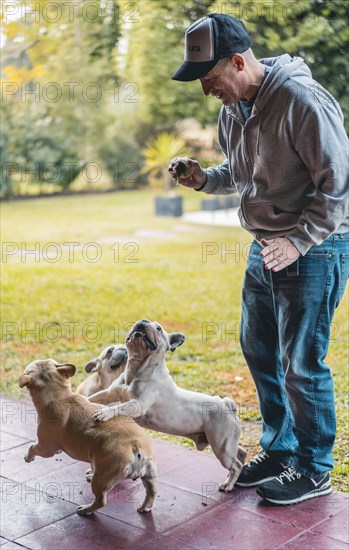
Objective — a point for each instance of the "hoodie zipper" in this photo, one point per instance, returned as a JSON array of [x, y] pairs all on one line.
[[249, 182]]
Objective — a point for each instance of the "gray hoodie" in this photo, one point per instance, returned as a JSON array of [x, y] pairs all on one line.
[[288, 161]]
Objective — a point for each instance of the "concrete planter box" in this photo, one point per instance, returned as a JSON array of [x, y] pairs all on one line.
[[232, 201], [210, 204], [169, 206]]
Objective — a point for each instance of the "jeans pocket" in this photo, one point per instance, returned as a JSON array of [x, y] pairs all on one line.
[[315, 264], [318, 255], [344, 267]]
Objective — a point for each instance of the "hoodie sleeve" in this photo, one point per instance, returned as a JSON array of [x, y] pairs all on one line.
[[219, 180], [323, 147]]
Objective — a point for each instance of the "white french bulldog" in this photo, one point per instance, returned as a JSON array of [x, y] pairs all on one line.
[[155, 402]]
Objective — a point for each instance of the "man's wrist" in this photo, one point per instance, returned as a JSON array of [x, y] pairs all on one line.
[[204, 183]]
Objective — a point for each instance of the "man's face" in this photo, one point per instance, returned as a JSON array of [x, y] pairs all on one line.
[[224, 81]]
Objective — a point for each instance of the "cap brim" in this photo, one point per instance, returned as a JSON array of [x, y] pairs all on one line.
[[192, 71]]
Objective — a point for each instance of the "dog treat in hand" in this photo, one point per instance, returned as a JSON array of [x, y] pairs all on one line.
[[182, 168]]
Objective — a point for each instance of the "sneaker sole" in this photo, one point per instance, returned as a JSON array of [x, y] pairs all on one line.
[[254, 483], [313, 494]]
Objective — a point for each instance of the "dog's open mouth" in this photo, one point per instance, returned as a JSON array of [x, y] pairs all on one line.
[[139, 334]]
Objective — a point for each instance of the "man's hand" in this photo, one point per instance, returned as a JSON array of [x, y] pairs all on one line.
[[278, 253], [196, 180]]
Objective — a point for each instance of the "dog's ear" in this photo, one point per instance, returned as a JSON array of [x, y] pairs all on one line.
[[24, 380], [176, 339], [66, 370], [92, 365]]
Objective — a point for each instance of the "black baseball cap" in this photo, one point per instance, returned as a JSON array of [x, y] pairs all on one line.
[[208, 40]]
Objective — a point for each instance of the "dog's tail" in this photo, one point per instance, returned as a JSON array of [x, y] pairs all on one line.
[[137, 467], [231, 409], [231, 405]]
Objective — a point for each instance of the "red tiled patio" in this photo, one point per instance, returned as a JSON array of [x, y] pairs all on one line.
[[38, 503]]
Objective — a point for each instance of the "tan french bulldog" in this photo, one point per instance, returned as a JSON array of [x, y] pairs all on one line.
[[118, 450]]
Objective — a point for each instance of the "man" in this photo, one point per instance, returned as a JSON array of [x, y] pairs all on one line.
[[287, 156]]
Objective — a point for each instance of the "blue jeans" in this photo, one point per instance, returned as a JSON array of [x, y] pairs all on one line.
[[285, 332]]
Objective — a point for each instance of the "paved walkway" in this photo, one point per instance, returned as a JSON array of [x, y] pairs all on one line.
[[38, 503], [225, 218]]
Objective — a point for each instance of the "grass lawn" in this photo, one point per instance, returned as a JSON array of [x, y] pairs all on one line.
[[101, 262]]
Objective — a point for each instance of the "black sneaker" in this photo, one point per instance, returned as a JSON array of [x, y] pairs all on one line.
[[291, 487], [260, 469]]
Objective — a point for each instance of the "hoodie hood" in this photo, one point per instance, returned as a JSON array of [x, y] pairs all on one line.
[[282, 68]]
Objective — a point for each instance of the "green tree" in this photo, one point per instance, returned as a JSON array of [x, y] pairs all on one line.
[[155, 51], [316, 30], [65, 86], [72, 89]]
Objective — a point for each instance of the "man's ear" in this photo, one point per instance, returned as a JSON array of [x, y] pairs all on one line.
[[24, 380], [91, 366], [66, 370], [176, 340], [238, 60]]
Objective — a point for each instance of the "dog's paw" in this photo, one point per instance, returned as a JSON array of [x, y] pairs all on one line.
[[84, 510], [142, 509], [89, 475], [226, 486], [102, 416], [28, 458]]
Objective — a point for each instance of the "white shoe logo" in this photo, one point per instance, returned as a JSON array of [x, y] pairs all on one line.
[[319, 482]]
